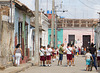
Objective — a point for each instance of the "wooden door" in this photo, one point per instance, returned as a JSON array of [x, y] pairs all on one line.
[[86, 40], [71, 39]]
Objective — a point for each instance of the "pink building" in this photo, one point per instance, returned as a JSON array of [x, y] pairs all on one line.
[[78, 36]]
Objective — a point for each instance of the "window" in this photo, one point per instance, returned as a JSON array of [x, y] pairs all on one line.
[[26, 39], [20, 33]]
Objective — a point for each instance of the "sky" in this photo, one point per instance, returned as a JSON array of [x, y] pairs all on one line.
[[77, 9]]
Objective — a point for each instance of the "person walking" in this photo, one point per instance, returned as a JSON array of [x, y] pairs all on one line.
[[82, 50], [77, 51], [88, 57], [42, 54], [92, 50], [61, 50], [48, 55], [69, 54], [53, 54], [73, 53], [57, 53], [18, 54]]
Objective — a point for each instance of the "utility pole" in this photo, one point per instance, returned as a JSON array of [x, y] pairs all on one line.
[[98, 33], [0, 26], [11, 11], [52, 26], [55, 29], [56, 24], [36, 58]]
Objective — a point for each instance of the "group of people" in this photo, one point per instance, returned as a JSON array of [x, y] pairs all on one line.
[[69, 51], [47, 55], [51, 53], [91, 56], [80, 51]]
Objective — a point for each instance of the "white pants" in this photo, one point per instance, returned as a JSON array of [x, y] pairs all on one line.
[[18, 56]]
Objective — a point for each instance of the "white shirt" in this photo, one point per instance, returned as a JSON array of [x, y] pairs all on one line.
[[88, 55], [69, 50], [56, 51], [41, 51], [82, 49], [98, 53], [48, 51]]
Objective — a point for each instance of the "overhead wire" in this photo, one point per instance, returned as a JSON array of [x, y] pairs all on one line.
[[87, 5], [92, 2], [72, 15]]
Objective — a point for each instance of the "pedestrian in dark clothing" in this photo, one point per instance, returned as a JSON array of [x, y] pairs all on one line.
[[92, 50]]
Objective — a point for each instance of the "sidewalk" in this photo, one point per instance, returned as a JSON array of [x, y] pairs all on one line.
[[14, 69]]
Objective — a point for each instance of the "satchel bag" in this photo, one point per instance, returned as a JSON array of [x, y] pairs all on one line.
[[43, 53]]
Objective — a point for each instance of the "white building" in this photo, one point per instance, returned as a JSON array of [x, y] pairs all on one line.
[[43, 33], [97, 36]]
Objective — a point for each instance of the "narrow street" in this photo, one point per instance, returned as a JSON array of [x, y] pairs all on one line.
[[33, 30], [78, 68]]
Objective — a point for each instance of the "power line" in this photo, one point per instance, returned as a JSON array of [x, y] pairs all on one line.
[[92, 2], [87, 5], [72, 15]]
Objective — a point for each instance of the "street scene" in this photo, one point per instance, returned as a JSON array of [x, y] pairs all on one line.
[[51, 36], [78, 68]]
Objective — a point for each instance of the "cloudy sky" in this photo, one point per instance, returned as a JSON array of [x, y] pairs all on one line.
[[76, 8]]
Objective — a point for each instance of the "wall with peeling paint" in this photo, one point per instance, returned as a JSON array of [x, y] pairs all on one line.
[[7, 43], [6, 37], [21, 16]]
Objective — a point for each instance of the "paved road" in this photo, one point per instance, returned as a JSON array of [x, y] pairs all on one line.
[[78, 68]]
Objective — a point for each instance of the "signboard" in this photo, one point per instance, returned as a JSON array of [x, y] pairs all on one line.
[[59, 42]]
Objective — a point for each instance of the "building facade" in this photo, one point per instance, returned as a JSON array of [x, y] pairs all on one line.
[[22, 28], [6, 34], [59, 36], [43, 32], [97, 36], [14, 29], [78, 36], [79, 32]]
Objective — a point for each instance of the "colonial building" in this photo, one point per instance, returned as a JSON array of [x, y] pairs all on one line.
[[14, 29], [79, 32], [43, 32], [6, 33], [22, 28], [97, 35]]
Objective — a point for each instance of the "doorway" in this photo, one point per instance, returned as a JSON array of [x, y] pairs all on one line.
[[86, 41], [71, 39]]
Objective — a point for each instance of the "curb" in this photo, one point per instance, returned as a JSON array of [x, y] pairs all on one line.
[[21, 69]]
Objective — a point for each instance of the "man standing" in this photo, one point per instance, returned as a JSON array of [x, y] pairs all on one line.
[[61, 50], [92, 50]]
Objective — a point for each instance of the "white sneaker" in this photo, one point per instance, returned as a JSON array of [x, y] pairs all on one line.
[[68, 66], [49, 65], [71, 66]]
